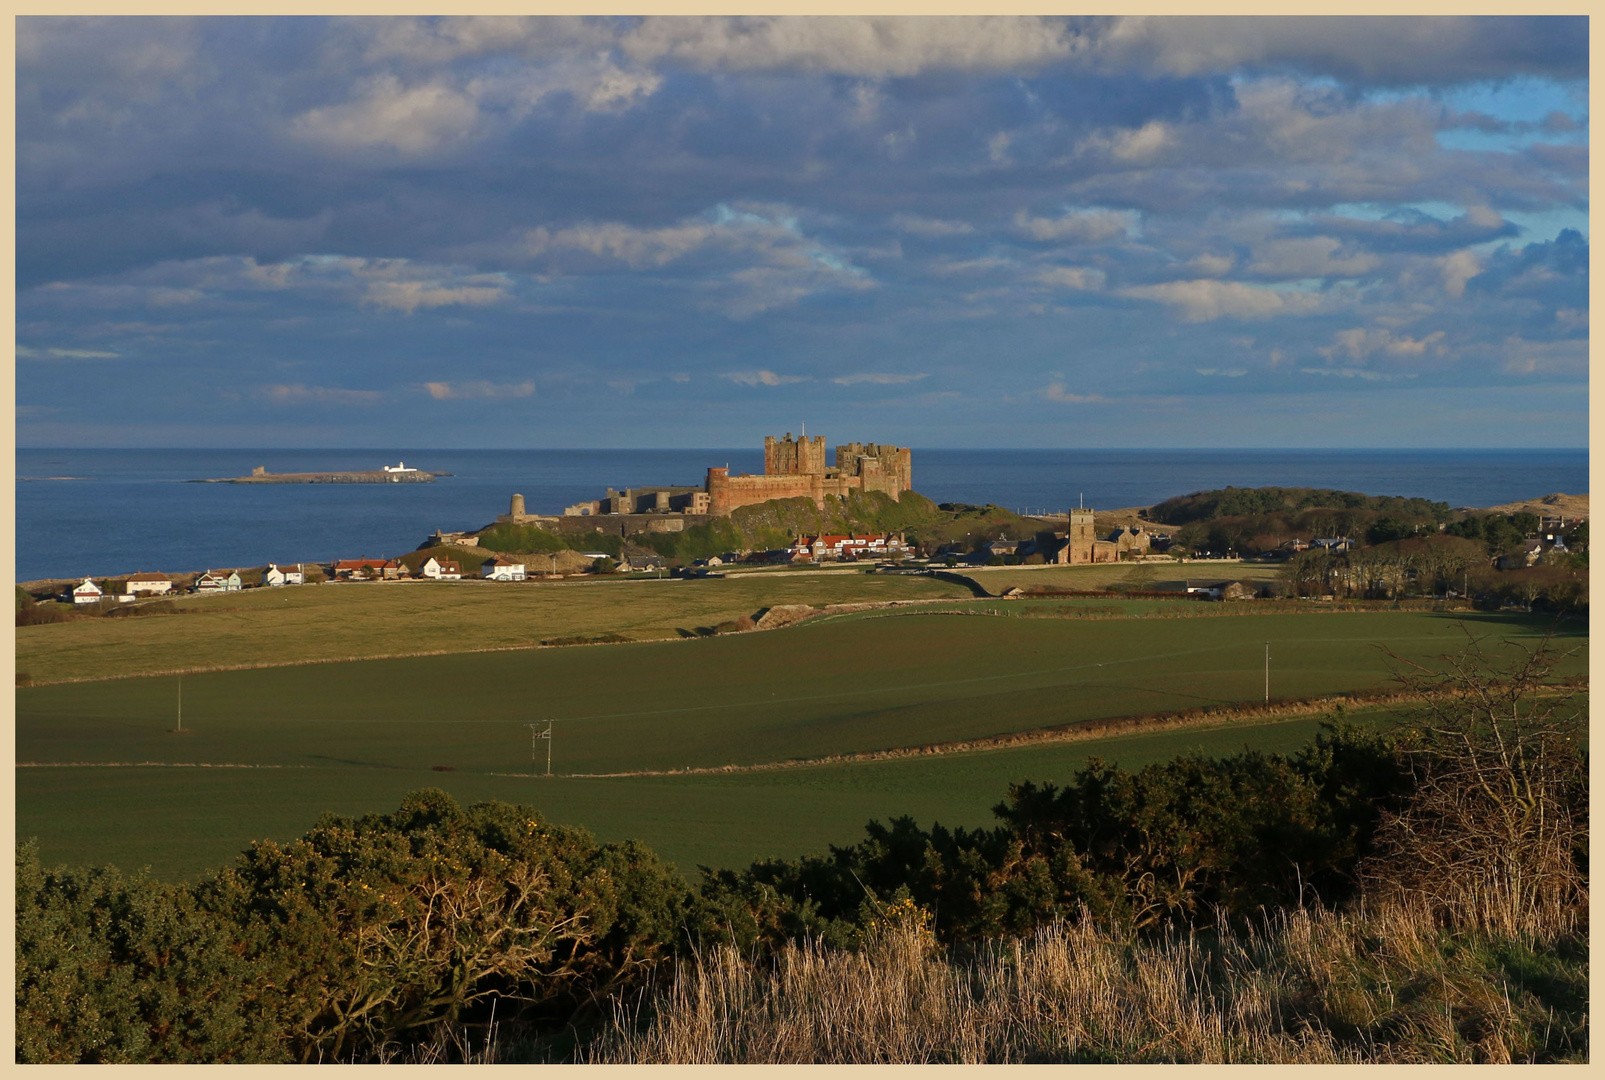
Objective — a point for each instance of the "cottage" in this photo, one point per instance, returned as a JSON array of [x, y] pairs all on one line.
[[153, 584], [86, 593], [215, 582], [502, 570], [640, 563], [1332, 543], [441, 569], [288, 574]]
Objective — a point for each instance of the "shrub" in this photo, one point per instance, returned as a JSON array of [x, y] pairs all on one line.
[[362, 934], [1172, 844], [1495, 830]]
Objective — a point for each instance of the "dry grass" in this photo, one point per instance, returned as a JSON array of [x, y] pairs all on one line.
[[1308, 987], [1152, 575]]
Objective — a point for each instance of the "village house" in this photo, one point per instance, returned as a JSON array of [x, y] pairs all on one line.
[[501, 570], [214, 582], [639, 563], [366, 569], [1526, 555], [288, 574], [849, 546], [86, 593], [441, 569], [152, 584]]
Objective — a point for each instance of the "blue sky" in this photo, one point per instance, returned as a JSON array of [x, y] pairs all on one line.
[[666, 232]]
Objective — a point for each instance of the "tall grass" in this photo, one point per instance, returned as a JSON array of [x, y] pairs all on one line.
[[1306, 986]]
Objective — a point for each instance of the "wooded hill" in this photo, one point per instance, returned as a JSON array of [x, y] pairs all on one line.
[[1243, 502]]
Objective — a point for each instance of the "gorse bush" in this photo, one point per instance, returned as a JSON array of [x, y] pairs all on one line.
[[360, 935], [1175, 843]]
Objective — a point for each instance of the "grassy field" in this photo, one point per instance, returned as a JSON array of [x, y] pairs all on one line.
[[400, 618], [352, 737], [1155, 575], [182, 822]]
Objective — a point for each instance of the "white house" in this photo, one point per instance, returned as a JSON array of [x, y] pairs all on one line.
[[441, 569], [154, 584], [502, 570], [213, 582], [87, 593], [284, 575]]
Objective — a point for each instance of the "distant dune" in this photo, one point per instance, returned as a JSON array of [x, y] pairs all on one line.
[[1568, 506]]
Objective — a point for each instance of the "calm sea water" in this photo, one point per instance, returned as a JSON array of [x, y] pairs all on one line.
[[105, 512]]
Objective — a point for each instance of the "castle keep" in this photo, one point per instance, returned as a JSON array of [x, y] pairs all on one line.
[[796, 467]]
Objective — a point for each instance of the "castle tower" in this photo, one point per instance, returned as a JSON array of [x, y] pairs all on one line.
[[516, 509], [794, 457]]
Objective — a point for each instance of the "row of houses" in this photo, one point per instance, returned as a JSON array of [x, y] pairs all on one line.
[[432, 569], [276, 574]]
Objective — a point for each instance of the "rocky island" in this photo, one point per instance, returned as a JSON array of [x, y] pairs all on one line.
[[399, 473]]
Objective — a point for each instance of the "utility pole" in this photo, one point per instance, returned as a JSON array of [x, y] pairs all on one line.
[[181, 701], [535, 735], [1267, 672]]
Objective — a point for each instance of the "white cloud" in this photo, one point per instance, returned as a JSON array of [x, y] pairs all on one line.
[[761, 378], [1057, 392], [1359, 373], [873, 47], [412, 120], [409, 296], [1090, 226], [876, 378], [1206, 300], [1082, 278], [1307, 257], [478, 389], [637, 248], [1523, 357], [1362, 342], [300, 394], [1457, 269], [1210, 264], [26, 353], [930, 227], [1226, 373]]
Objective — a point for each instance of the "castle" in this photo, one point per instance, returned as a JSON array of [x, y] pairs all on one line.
[[791, 468], [796, 467]]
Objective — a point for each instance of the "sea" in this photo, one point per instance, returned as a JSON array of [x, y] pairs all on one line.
[[111, 512]]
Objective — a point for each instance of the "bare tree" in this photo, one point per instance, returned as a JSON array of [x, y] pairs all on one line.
[[1495, 832]]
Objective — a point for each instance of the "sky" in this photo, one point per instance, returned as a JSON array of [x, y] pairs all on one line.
[[692, 232]]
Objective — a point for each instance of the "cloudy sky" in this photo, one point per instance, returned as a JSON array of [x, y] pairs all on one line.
[[690, 232]]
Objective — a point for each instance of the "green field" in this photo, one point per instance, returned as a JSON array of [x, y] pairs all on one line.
[[182, 822], [351, 737]]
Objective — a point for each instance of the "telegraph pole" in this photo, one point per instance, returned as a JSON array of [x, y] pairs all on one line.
[[180, 701], [1267, 672], [536, 734]]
